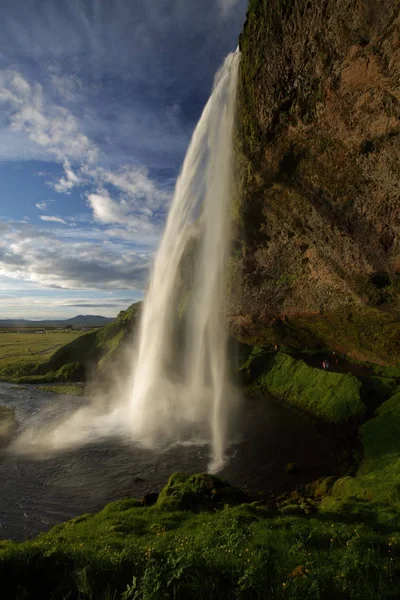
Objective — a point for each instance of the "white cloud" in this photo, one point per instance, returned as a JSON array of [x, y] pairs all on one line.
[[39, 256], [132, 180], [139, 204], [52, 127], [106, 210], [227, 5], [43, 205], [121, 212], [70, 180], [67, 87], [53, 219]]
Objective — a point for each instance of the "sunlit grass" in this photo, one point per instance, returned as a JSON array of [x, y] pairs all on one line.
[[127, 551], [330, 396], [22, 352]]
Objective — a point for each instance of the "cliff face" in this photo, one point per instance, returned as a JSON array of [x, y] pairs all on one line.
[[318, 147]]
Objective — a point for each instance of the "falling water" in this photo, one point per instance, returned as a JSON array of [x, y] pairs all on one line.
[[166, 400]]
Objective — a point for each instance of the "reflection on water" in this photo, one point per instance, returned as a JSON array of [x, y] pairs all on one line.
[[36, 494]]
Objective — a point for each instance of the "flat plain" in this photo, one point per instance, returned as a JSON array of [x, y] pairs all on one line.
[[22, 347]]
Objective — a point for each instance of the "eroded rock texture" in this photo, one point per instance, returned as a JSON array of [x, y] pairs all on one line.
[[318, 147]]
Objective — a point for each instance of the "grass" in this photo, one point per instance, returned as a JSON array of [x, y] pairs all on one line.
[[246, 552], [333, 397], [93, 351], [22, 352], [203, 539], [376, 487], [56, 356]]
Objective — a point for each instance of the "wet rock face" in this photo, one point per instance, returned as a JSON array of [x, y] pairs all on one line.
[[318, 153]]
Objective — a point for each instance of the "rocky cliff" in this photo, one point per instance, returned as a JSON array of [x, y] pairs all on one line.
[[317, 217]]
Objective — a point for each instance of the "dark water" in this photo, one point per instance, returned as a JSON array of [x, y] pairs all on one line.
[[36, 494]]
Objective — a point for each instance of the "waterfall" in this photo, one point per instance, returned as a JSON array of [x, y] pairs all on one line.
[[174, 392]]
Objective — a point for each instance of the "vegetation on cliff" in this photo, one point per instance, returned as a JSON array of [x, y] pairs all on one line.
[[333, 397]]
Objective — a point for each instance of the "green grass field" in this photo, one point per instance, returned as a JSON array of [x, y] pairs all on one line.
[[23, 352]]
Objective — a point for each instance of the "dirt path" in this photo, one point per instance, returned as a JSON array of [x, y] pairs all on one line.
[[337, 364]]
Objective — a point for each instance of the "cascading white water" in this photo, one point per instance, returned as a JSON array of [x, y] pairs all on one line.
[[165, 400]]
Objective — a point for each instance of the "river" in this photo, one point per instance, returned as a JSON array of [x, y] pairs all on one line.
[[37, 494]]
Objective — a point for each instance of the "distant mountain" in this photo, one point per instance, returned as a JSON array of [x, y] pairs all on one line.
[[87, 320]]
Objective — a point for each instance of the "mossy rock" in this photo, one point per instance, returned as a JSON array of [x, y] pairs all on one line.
[[119, 506], [333, 397], [378, 477], [194, 492], [291, 509], [321, 487]]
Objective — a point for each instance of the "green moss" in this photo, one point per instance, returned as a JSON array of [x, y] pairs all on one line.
[[364, 334], [126, 552], [375, 489], [330, 396], [184, 492], [391, 372]]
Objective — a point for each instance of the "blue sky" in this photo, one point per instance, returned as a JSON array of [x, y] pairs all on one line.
[[98, 100]]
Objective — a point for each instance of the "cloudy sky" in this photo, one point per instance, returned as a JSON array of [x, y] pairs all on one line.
[[98, 100]]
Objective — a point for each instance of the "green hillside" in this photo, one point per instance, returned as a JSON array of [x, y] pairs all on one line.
[[82, 356]]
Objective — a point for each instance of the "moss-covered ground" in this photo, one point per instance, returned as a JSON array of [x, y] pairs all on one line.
[[214, 549], [333, 539], [202, 539], [333, 397], [375, 491], [336, 539]]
